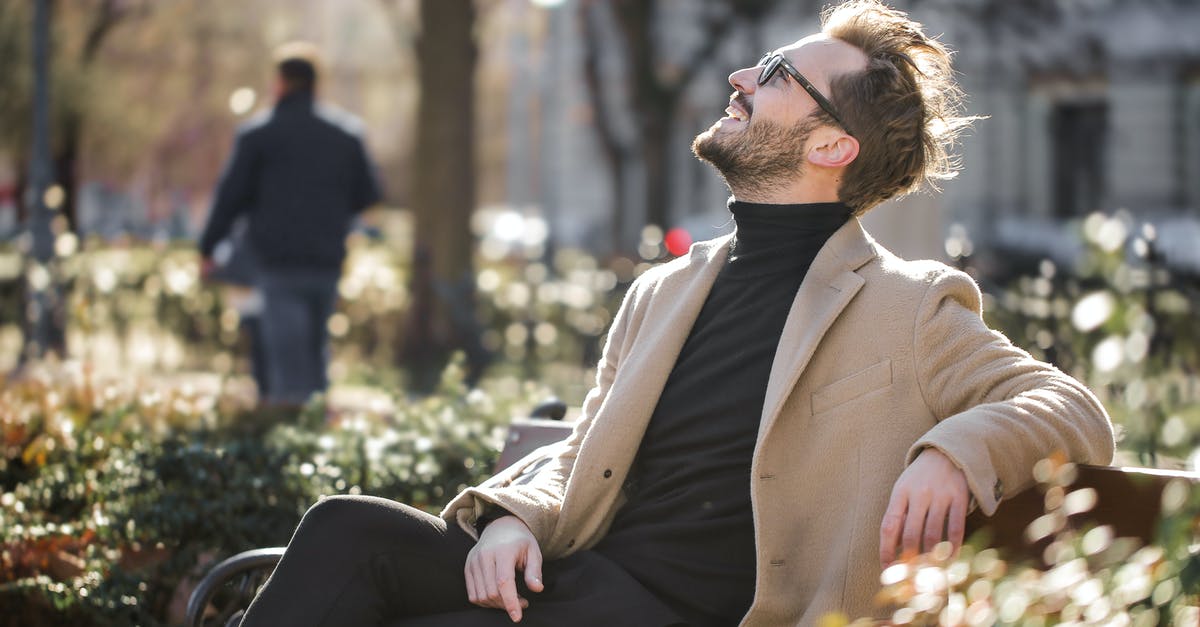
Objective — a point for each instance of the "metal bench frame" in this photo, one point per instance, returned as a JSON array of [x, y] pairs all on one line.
[[227, 590]]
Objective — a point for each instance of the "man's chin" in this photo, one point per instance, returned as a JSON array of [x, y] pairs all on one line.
[[713, 134], [703, 142], [707, 148]]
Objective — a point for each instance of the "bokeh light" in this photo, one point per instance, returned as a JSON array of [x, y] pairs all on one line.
[[242, 100], [678, 241]]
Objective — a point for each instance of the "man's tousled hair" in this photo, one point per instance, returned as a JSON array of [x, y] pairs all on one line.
[[904, 108]]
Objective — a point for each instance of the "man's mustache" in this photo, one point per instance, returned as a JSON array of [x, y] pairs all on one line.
[[740, 101]]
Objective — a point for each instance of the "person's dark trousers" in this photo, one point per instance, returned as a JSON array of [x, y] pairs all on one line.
[[364, 561], [296, 309], [251, 326]]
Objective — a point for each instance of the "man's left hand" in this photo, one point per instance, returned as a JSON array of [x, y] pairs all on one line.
[[930, 497]]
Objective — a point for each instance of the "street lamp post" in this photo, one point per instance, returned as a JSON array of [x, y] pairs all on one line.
[[40, 281]]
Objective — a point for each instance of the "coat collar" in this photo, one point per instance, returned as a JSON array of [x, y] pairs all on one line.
[[713, 251], [849, 247]]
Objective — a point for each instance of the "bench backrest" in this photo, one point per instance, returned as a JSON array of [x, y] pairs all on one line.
[[528, 434], [1127, 499]]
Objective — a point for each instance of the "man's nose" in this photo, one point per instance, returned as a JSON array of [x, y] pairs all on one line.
[[745, 80]]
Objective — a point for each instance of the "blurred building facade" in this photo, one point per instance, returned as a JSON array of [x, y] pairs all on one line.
[[1094, 106], [1091, 106]]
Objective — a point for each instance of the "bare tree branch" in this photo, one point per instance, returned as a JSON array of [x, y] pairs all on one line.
[[615, 151]]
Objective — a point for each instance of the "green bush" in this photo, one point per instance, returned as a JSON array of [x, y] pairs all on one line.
[[106, 508], [1123, 323]]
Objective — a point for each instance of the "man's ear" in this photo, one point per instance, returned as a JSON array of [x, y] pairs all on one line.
[[833, 150]]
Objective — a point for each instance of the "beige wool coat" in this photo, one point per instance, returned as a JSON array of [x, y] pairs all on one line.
[[879, 358]]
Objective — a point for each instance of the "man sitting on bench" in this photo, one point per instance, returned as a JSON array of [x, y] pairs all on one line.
[[777, 414]]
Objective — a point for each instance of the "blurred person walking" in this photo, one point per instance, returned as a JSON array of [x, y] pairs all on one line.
[[300, 173], [235, 271]]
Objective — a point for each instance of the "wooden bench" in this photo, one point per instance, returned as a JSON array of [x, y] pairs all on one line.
[[1129, 499]]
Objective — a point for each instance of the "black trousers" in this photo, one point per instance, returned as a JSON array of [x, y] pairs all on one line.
[[360, 560]]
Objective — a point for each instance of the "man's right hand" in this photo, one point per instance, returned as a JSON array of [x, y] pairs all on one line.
[[506, 546], [207, 267]]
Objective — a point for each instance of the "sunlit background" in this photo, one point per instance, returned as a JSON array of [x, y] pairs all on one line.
[[1077, 210], [580, 172]]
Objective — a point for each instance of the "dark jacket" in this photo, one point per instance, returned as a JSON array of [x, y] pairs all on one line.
[[301, 173]]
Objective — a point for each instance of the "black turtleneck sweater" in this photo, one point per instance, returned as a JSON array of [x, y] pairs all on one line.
[[687, 530]]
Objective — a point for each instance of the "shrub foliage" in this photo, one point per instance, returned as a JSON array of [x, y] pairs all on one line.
[[112, 495]]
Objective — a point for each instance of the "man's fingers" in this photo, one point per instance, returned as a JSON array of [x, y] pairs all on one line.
[[914, 525], [956, 523], [928, 502], [508, 593], [935, 524], [489, 589], [533, 569], [481, 595], [472, 576], [506, 584], [889, 531]]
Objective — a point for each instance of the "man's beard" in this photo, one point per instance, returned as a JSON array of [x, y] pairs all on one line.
[[763, 156]]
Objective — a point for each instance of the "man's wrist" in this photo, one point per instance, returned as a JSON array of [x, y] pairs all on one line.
[[489, 517]]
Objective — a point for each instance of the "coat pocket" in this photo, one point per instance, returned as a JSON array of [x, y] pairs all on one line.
[[849, 388]]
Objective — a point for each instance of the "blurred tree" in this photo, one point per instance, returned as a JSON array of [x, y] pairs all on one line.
[[656, 83], [45, 327], [80, 31], [442, 315], [40, 162], [117, 109]]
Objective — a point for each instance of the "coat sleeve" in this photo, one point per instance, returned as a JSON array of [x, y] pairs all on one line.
[[235, 193], [367, 190], [532, 489], [999, 410]]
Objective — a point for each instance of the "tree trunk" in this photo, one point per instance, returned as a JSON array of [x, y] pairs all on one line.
[[108, 14], [654, 96], [44, 325], [65, 160], [443, 195], [615, 152], [656, 156]]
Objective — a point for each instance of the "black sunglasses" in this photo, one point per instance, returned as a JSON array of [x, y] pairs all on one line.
[[771, 63]]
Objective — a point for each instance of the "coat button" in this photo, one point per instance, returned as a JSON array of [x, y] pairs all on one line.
[[570, 544], [607, 473]]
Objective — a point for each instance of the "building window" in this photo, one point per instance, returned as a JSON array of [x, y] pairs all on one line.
[[1080, 131]]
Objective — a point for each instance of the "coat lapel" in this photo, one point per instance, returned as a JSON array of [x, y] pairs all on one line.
[[641, 376], [665, 327], [828, 287]]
